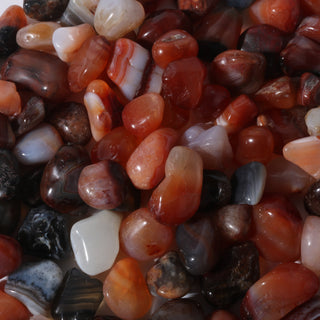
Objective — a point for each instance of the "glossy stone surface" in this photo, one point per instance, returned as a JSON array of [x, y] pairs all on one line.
[[10, 101], [125, 290], [248, 183], [95, 241], [198, 247], [10, 212], [43, 10], [59, 182], [35, 284], [12, 309], [308, 91], [9, 175], [168, 278], [236, 272], [44, 233], [179, 309], [312, 199], [78, 296], [51, 82], [71, 120], [278, 292]]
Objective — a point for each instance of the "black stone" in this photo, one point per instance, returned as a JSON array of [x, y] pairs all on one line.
[[10, 211], [8, 42]]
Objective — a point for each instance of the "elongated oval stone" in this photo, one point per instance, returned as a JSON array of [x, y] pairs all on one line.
[[95, 241]]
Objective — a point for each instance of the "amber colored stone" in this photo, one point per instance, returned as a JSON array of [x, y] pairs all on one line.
[[283, 14], [277, 93], [308, 94], [51, 81], [117, 145], [10, 255], [278, 292], [144, 238], [10, 101], [177, 197], [89, 62], [144, 114], [11, 21], [277, 228], [12, 309], [174, 45], [237, 114], [7, 137], [146, 169], [239, 71], [161, 22], [125, 290], [254, 144]]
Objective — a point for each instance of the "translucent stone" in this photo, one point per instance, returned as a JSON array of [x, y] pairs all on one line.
[[38, 146], [127, 66], [212, 144], [68, 40], [306, 311], [37, 36], [305, 153], [313, 121], [310, 26], [78, 297], [114, 19], [125, 290], [308, 91], [10, 101], [310, 244], [278, 292], [12, 309], [248, 183], [154, 80], [44, 233], [35, 284], [95, 241], [79, 12]]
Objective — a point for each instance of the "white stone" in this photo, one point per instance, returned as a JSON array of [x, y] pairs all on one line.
[[312, 120], [95, 241]]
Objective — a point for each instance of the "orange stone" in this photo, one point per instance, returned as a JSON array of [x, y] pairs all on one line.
[[12, 309]]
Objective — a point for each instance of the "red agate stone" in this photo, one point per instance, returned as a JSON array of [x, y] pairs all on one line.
[[12, 309], [125, 290], [278, 292]]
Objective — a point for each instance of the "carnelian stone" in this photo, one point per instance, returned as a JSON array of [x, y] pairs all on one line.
[[12, 309], [183, 82], [144, 114], [146, 165], [117, 145], [89, 62], [10, 101], [125, 290], [174, 45], [283, 14], [310, 27], [254, 144], [177, 197], [310, 6], [279, 291], [143, 237], [10, 255], [277, 228]]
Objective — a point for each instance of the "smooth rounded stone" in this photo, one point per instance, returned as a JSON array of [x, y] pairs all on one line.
[[10, 211], [309, 310], [37, 36], [68, 40], [72, 122], [78, 296], [114, 19], [216, 190], [248, 183], [12, 309], [237, 270], [32, 114], [7, 137], [44, 10], [35, 284], [168, 278], [233, 222], [9, 175], [308, 91], [10, 100], [95, 241], [312, 119], [198, 245], [51, 81], [312, 199], [212, 144], [38, 146], [59, 183], [44, 233], [310, 244], [180, 309]]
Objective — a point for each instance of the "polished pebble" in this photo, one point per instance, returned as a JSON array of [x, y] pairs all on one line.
[[95, 241], [10, 101], [12, 309], [312, 199], [306, 311]]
